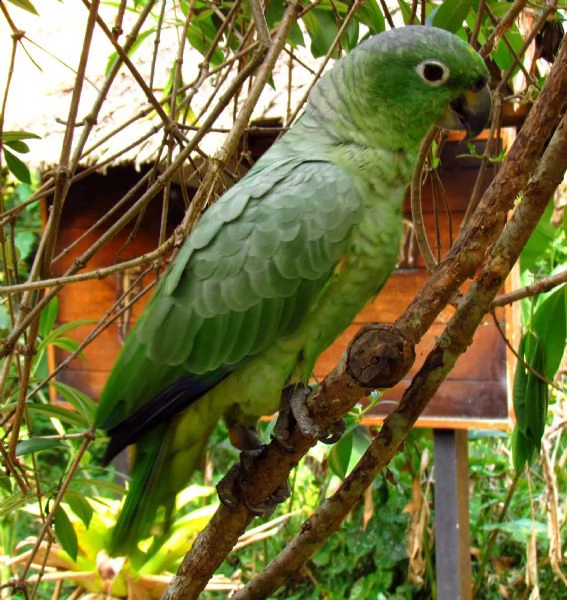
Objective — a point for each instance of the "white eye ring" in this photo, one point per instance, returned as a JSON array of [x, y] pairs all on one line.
[[433, 72]]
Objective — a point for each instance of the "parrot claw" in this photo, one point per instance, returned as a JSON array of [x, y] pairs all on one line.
[[232, 487], [294, 410], [334, 433], [225, 487]]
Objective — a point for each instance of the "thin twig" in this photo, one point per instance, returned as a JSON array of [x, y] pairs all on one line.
[[416, 212], [541, 286], [88, 437]]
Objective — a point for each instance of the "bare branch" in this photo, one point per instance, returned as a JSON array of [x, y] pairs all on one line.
[[272, 467], [451, 344], [539, 287]]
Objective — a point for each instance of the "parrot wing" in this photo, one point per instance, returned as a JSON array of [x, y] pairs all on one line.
[[248, 274]]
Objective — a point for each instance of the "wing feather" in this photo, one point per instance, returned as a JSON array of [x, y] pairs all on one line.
[[249, 273]]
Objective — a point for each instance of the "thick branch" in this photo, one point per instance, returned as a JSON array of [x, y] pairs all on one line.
[[453, 342], [338, 393], [462, 261]]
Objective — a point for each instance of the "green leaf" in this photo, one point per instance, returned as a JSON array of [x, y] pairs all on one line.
[[18, 169], [274, 13], [200, 35], [550, 324], [540, 241], [25, 243], [5, 483], [26, 5], [48, 317], [350, 39], [536, 394], [14, 136], [450, 15], [100, 484], [18, 146], [68, 345], [58, 412], [530, 397], [80, 506], [13, 503], [37, 444], [65, 533], [502, 54], [5, 320], [405, 9], [370, 14], [339, 456], [522, 450], [53, 335], [322, 29], [519, 388], [139, 40], [79, 400], [519, 529]]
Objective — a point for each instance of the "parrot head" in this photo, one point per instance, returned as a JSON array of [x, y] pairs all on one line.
[[395, 85]]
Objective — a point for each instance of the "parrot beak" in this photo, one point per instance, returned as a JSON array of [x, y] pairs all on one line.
[[471, 111]]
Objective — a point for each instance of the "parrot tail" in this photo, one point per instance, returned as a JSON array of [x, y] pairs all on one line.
[[158, 475], [144, 496]]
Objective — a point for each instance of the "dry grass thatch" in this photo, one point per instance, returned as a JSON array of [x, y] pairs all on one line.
[[43, 80]]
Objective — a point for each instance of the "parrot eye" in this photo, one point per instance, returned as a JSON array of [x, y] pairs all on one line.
[[433, 72]]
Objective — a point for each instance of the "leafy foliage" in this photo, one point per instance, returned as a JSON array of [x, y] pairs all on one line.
[[543, 345]]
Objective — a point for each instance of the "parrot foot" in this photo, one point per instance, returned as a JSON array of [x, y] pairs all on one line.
[[294, 410], [232, 488]]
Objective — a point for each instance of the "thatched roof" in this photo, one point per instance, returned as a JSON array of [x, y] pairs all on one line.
[[40, 93]]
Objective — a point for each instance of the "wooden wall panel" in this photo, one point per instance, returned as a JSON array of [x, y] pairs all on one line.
[[454, 400]]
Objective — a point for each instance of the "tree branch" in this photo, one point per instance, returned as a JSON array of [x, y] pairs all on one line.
[[539, 287], [441, 360], [272, 467], [350, 380]]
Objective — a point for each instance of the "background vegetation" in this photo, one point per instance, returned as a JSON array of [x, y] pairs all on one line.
[[57, 504]]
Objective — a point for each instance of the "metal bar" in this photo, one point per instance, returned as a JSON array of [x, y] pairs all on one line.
[[452, 532]]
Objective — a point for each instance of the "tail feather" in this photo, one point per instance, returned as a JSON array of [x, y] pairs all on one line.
[[142, 502], [157, 476]]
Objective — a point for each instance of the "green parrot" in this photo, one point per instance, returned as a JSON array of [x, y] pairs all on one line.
[[280, 265]]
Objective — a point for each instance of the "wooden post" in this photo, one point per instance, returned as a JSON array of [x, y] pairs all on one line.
[[452, 532]]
